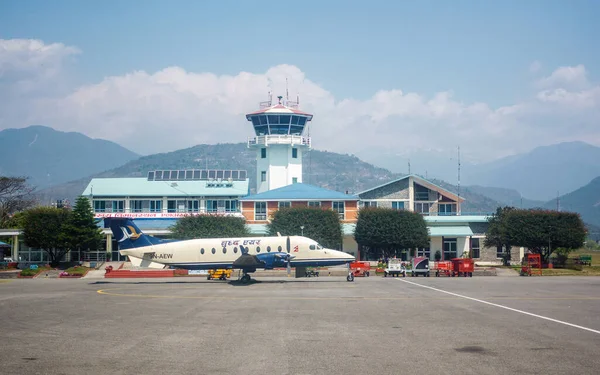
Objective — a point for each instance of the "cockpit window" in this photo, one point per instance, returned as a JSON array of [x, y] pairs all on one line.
[[315, 247], [312, 247]]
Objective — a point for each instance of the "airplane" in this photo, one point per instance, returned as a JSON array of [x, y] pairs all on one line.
[[245, 253]]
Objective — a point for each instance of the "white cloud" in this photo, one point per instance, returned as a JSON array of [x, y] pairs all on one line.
[[566, 77], [173, 109]]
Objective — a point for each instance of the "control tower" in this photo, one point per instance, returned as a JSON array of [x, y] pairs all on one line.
[[279, 143]]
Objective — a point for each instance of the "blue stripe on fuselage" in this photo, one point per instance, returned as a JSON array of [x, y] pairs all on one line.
[[213, 265]]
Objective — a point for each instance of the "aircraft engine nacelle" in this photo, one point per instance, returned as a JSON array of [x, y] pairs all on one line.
[[272, 260]]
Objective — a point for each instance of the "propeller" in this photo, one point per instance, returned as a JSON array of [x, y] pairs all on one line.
[[288, 246]]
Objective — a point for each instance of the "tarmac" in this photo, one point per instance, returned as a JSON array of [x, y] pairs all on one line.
[[325, 325]]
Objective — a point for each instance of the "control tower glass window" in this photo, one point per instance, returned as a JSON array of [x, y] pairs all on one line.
[[263, 153], [295, 153]]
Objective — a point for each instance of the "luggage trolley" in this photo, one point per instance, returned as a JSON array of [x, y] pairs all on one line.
[[443, 267]]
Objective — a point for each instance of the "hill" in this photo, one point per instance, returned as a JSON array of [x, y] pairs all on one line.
[[507, 197], [585, 200], [321, 168], [542, 172], [51, 157]]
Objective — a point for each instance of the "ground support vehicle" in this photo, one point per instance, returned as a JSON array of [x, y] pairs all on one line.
[[311, 272], [463, 267], [532, 263], [395, 267], [443, 267], [220, 274], [360, 269], [420, 266]]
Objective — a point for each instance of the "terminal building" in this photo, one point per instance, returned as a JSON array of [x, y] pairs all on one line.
[[280, 140]]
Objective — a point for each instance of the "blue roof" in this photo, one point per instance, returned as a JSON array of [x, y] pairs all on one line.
[[141, 187], [300, 192]]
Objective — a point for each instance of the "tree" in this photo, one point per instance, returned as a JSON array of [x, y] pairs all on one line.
[[210, 226], [15, 195], [81, 230], [42, 229], [321, 225], [497, 234], [541, 231], [384, 231]]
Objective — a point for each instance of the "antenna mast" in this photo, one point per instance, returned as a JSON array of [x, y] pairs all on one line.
[[458, 178], [408, 166]]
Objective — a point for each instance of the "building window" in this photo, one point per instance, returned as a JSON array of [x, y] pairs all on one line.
[[367, 204], [155, 206], [285, 204], [339, 208], [99, 206], [422, 208], [118, 206], [314, 204], [263, 176], [398, 205], [446, 209], [424, 252], [193, 206], [294, 153], [136, 205], [171, 206], [260, 210], [263, 153], [475, 249], [221, 205], [449, 248], [500, 252], [294, 180], [421, 193]]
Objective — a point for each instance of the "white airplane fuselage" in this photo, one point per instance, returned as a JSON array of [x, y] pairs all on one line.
[[200, 254]]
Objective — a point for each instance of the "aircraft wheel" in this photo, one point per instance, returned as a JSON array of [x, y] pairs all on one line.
[[385, 274], [245, 279], [350, 277]]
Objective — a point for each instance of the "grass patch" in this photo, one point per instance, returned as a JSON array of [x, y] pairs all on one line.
[[595, 255], [77, 271], [34, 272], [586, 271]]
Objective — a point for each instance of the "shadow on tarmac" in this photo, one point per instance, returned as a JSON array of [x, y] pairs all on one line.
[[213, 282]]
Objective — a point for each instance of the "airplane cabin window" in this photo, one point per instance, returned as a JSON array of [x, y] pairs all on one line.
[[213, 250], [201, 251], [312, 247], [268, 249], [279, 248], [224, 250], [258, 249], [235, 250]]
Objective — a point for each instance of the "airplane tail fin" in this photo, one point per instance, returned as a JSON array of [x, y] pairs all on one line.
[[127, 234]]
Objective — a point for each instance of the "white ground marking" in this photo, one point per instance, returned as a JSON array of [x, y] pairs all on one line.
[[503, 307]]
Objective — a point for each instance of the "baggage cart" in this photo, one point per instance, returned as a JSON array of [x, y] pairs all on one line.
[[360, 269], [443, 267], [220, 274], [463, 266]]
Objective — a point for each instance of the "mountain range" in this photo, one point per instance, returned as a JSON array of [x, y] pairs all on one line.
[[541, 174], [61, 165], [49, 157]]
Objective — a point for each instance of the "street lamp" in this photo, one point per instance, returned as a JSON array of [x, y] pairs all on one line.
[[302, 229]]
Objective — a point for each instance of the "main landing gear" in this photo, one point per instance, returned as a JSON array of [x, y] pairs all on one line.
[[245, 279]]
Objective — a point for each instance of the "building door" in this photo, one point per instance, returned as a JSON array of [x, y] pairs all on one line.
[[449, 248]]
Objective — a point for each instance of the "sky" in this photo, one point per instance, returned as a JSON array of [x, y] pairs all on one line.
[[381, 77]]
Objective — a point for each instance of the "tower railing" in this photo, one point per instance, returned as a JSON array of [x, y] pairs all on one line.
[[279, 139]]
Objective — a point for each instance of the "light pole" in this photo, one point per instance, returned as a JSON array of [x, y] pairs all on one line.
[[302, 230]]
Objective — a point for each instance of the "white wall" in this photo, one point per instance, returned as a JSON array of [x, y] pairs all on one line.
[[281, 168]]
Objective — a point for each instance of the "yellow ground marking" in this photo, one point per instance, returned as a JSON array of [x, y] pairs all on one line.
[[111, 292], [5, 281]]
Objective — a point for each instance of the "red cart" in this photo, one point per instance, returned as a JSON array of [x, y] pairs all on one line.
[[463, 266], [360, 268], [444, 267]]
